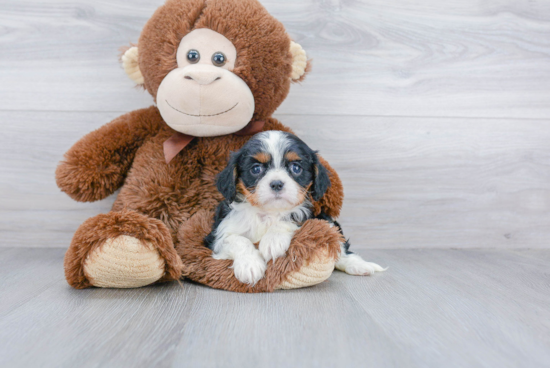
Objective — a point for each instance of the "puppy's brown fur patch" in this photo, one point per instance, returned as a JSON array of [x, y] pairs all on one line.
[[262, 157], [292, 156], [251, 197]]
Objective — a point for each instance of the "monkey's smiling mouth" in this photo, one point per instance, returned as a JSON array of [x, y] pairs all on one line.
[[183, 112]]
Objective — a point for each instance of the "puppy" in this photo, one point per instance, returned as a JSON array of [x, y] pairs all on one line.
[[266, 186]]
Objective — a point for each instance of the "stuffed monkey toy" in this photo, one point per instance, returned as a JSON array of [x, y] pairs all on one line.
[[217, 70]]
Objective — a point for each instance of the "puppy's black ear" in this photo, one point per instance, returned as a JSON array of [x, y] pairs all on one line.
[[321, 181], [227, 179]]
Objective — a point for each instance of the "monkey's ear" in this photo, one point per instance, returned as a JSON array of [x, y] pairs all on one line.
[[131, 65], [226, 182], [300, 63]]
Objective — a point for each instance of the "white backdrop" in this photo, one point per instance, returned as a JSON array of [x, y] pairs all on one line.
[[436, 114]]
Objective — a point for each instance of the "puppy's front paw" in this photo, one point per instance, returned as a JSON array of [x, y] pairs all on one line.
[[353, 264], [274, 245], [249, 269]]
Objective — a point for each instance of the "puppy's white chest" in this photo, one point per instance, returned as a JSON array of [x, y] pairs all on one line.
[[253, 223], [263, 223]]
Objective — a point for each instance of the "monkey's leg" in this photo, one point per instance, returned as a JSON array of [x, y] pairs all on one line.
[[121, 250], [308, 261]]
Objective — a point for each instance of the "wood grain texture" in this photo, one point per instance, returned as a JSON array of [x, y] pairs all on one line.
[[432, 308], [409, 182], [372, 57], [425, 182]]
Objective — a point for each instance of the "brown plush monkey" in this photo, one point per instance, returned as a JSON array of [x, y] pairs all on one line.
[[215, 68]]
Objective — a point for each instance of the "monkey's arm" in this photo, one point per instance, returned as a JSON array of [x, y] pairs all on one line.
[[96, 165], [331, 202]]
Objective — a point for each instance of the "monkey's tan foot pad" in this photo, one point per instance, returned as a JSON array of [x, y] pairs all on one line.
[[121, 249], [124, 262], [315, 272]]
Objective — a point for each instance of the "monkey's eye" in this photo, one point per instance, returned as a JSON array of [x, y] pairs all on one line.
[[193, 56], [218, 59], [257, 169], [295, 168]]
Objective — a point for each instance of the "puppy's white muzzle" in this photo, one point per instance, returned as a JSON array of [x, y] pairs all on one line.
[[277, 190]]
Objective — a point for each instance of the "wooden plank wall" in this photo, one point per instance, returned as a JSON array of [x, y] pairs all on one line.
[[435, 113]]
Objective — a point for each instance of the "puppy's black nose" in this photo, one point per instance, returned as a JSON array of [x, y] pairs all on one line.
[[276, 185]]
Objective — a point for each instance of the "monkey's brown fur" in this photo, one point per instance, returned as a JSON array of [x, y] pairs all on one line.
[[313, 239], [168, 205]]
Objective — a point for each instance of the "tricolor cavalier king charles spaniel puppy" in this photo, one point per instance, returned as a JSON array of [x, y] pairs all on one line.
[[266, 186]]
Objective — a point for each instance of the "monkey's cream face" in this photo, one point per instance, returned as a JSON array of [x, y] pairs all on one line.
[[202, 96]]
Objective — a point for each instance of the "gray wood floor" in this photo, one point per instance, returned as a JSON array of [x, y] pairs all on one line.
[[432, 308]]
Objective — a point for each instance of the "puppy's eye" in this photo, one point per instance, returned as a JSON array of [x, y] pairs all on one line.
[[218, 59], [193, 56], [295, 168], [257, 170]]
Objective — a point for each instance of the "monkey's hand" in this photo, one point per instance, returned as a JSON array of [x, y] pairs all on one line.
[[97, 164]]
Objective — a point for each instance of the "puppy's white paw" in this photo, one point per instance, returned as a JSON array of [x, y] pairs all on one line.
[[353, 264], [221, 256], [274, 245], [250, 268]]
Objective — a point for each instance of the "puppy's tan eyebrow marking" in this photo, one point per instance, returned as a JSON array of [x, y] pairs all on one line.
[[262, 157], [292, 156]]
